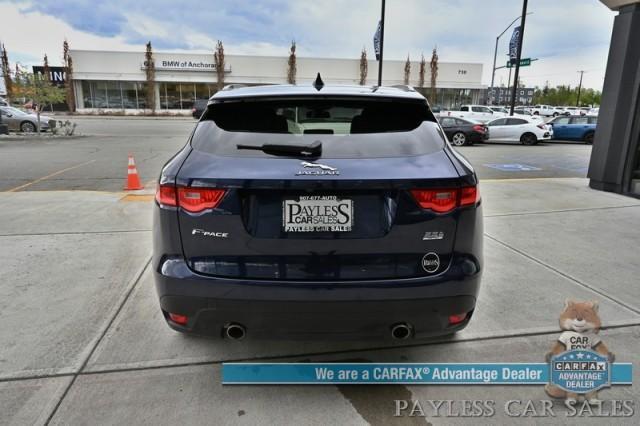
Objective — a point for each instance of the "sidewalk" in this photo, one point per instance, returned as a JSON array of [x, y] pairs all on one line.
[[84, 340]]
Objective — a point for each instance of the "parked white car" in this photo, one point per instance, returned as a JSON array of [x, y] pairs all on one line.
[[479, 113], [528, 131], [546, 111], [594, 111]]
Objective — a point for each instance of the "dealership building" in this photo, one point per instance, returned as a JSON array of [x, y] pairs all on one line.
[[114, 81]]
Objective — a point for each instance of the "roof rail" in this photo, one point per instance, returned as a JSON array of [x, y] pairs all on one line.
[[234, 86], [404, 87]]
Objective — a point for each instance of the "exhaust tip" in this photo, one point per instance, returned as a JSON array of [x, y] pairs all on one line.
[[401, 331], [235, 331]]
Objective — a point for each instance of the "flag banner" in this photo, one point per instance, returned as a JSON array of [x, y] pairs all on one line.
[[404, 373], [513, 45], [376, 41]]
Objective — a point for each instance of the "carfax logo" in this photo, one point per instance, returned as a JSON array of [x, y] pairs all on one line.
[[580, 371], [579, 362]]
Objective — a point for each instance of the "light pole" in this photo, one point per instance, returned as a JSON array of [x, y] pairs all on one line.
[[3, 129], [579, 88], [516, 76], [495, 52], [381, 44]]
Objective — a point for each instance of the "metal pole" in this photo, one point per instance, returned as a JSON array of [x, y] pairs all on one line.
[[519, 55], [493, 73], [381, 44], [495, 52], [579, 88]]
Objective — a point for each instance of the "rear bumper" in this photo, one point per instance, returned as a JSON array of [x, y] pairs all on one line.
[[335, 310]]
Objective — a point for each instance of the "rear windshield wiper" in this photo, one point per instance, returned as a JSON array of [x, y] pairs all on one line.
[[312, 150]]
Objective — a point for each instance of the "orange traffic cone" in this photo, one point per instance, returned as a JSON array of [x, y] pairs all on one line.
[[133, 180]]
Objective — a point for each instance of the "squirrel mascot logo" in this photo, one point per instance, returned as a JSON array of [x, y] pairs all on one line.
[[580, 324]]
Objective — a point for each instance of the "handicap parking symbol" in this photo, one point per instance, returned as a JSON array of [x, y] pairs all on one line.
[[514, 167]]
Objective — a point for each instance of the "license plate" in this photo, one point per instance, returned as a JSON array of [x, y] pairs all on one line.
[[317, 213]]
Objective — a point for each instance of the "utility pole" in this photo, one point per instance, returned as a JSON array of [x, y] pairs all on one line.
[[381, 44], [579, 88], [519, 55]]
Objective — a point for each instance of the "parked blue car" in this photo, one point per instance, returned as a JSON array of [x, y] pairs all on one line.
[[575, 128]]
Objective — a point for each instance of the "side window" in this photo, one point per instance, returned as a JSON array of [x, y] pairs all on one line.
[[593, 120], [580, 120], [461, 122], [515, 121], [464, 108], [447, 122], [498, 122], [481, 109], [561, 120]]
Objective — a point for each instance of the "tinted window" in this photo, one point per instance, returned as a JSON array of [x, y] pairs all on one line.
[[593, 120], [318, 116], [580, 120], [461, 122], [515, 121], [448, 122], [481, 109], [464, 108], [498, 122]]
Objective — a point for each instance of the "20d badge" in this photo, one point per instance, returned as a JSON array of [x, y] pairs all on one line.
[[317, 213]]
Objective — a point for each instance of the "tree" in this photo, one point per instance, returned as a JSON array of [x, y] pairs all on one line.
[[292, 68], [45, 68], [423, 66], [6, 74], [433, 65], [407, 71], [39, 90], [68, 72], [218, 59], [364, 67], [150, 84]]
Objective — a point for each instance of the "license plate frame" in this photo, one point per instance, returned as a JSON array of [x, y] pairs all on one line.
[[317, 213]]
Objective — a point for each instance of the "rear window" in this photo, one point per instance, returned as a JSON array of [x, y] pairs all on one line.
[[346, 128], [318, 116]]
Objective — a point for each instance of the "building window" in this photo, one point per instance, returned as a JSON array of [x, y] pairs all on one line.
[[170, 95], [114, 96], [188, 95], [202, 91], [129, 95]]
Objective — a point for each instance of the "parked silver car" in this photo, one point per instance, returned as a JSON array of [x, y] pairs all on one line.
[[18, 120]]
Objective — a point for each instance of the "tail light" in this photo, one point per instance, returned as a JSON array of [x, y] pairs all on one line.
[[479, 128], [542, 126], [193, 200], [445, 200]]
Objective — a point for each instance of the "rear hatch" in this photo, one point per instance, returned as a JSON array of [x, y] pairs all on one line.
[[345, 213]]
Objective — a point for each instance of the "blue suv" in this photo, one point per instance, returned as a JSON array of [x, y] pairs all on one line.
[[575, 128]]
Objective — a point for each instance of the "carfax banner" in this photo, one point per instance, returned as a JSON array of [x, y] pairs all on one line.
[[583, 376]]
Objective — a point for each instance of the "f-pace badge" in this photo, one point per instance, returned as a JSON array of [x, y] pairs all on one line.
[[430, 262], [197, 231], [320, 169]]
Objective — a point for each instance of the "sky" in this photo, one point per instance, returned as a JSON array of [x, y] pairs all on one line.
[[564, 35]]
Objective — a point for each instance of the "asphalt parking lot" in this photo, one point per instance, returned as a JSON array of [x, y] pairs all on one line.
[[84, 342]]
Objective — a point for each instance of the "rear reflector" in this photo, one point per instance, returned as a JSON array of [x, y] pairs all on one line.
[[193, 200], [445, 200], [457, 318], [178, 319]]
